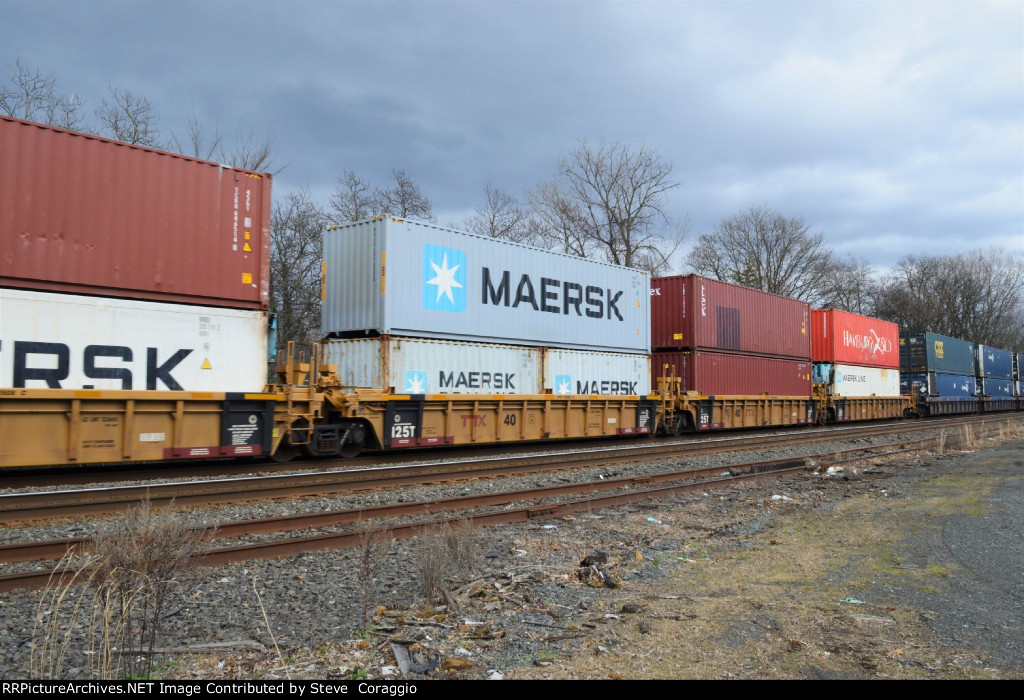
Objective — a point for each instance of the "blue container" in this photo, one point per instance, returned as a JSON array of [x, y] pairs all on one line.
[[931, 352], [911, 382], [952, 386], [993, 362], [997, 388]]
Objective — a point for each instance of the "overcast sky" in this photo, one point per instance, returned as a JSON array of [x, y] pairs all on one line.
[[893, 127]]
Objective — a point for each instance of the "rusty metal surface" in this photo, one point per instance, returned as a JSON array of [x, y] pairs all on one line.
[[88, 215]]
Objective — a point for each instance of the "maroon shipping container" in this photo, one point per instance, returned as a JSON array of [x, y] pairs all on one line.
[[842, 337], [88, 215], [691, 311], [724, 374]]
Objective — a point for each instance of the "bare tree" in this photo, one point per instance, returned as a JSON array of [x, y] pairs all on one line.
[[353, 200], [130, 118], [851, 286], [404, 199], [197, 141], [762, 249], [250, 153], [607, 201], [977, 296], [296, 252], [32, 95], [501, 216]]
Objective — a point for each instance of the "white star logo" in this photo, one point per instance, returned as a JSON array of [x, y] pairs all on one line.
[[444, 279], [564, 388], [415, 385]]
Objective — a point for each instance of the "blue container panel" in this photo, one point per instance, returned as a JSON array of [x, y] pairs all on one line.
[[954, 386], [911, 381], [931, 352], [993, 362], [997, 388]]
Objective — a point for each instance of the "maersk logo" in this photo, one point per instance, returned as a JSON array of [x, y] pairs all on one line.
[[415, 382], [563, 384], [444, 279]]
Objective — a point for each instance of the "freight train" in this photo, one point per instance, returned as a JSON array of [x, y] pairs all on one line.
[[134, 295]]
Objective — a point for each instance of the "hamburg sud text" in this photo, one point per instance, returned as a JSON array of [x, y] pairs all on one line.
[[206, 689]]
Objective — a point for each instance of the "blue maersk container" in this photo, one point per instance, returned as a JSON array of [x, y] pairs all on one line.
[[931, 352], [993, 362]]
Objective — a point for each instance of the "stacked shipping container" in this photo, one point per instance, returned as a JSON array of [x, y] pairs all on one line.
[[937, 366], [723, 339], [420, 309], [124, 267], [855, 355], [994, 369]]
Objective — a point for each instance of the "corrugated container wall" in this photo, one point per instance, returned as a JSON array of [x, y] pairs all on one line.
[[582, 372], [852, 381], [407, 278], [429, 366], [725, 374], [997, 388], [691, 311], [947, 386], [423, 366], [67, 341], [931, 352], [846, 338], [993, 362], [88, 215]]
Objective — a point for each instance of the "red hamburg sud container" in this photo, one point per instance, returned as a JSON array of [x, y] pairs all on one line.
[[690, 311], [88, 215], [842, 337]]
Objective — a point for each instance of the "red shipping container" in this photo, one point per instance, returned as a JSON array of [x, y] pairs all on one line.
[[842, 337], [88, 215], [691, 311], [725, 374]]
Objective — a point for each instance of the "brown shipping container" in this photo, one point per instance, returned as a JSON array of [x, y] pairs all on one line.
[[724, 374], [691, 311], [88, 215], [841, 337]]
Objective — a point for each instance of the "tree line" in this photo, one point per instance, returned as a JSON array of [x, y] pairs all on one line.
[[605, 200]]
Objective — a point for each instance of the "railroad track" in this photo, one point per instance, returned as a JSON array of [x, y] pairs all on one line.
[[624, 491], [30, 507]]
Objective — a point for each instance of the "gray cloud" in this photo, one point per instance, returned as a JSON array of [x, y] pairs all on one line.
[[892, 127]]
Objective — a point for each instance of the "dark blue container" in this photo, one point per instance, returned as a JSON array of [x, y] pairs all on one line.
[[997, 388], [931, 352], [911, 382], [953, 386], [993, 362]]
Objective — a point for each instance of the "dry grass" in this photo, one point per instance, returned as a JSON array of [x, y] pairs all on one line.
[[109, 604], [775, 607], [375, 544], [449, 553]]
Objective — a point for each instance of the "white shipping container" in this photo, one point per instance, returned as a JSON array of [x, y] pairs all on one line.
[[66, 341], [849, 380], [581, 372], [429, 366], [406, 278]]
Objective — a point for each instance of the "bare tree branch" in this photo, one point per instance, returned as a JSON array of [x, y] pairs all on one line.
[[353, 200], [296, 251], [250, 153], [762, 249], [197, 141], [404, 199], [129, 118], [32, 95], [607, 201], [501, 216]]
